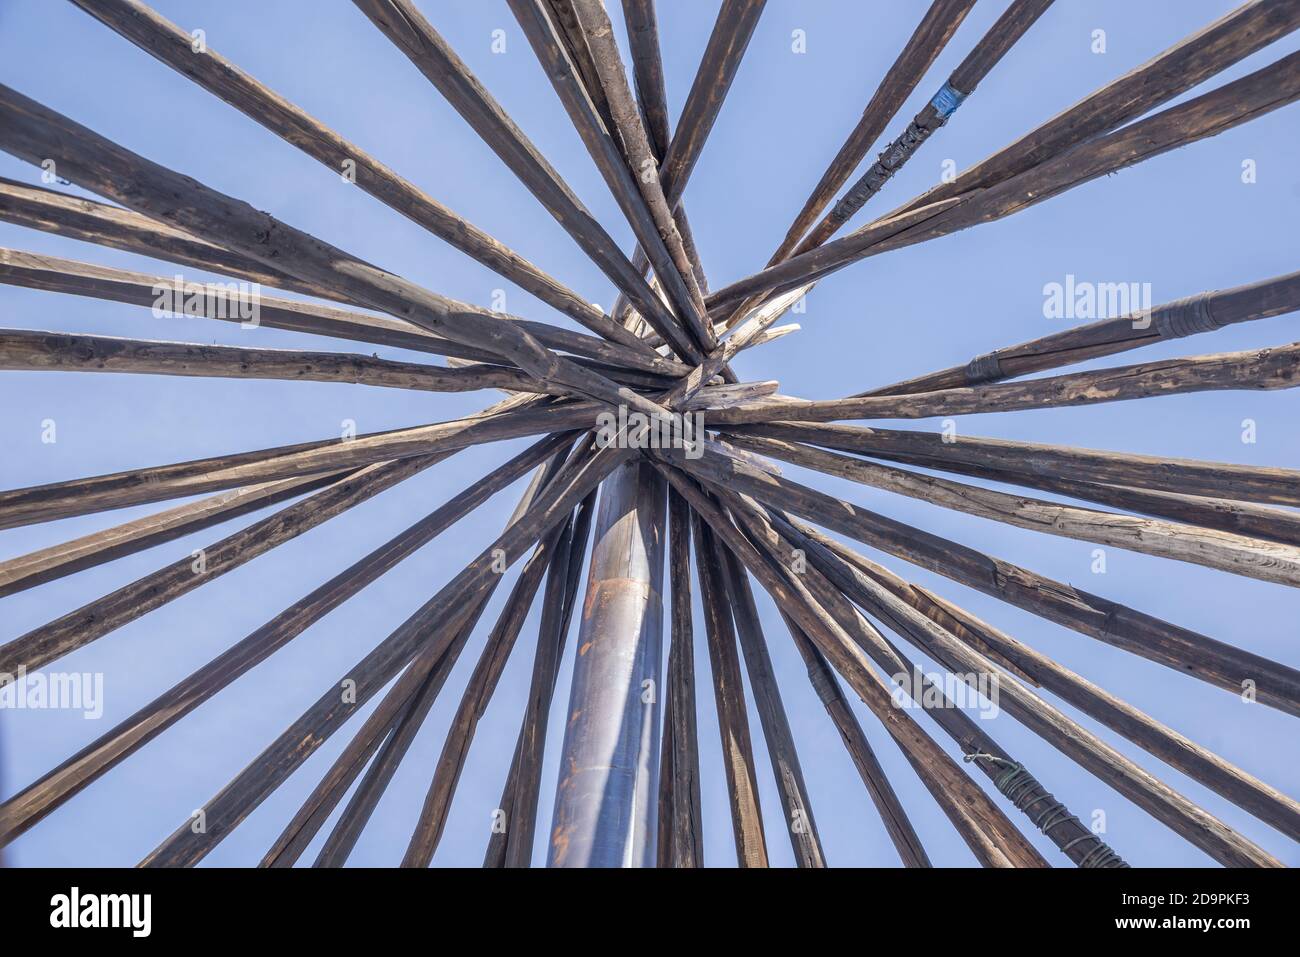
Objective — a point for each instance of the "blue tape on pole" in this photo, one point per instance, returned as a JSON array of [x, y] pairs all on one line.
[[947, 100]]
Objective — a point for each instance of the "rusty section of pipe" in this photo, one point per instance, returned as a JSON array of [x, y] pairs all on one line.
[[609, 766]]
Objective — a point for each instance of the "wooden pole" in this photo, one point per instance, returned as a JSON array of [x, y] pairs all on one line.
[[991, 837], [429, 630], [681, 833], [167, 42], [892, 813], [1183, 650], [29, 806], [410, 32], [1189, 62], [1238, 102], [1009, 28], [729, 697], [1237, 554], [218, 301], [1270, 368], [1193, 315], [1032, 460], [34, 133], [66, 558], [781, 751], [1246, 791]]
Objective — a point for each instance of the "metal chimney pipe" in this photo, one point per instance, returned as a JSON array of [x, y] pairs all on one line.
[[605, 801]]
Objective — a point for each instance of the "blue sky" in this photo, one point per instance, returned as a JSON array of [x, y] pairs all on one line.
[[1183, 222]]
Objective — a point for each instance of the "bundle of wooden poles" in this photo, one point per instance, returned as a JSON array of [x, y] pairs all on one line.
[[629, 788]]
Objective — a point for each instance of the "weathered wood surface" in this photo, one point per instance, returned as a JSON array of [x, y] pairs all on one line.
[[832, 585], [722, 55], [512, 846], [1015, 21], [218, 301], [1192, 60], [87, 551], [540, 26], [429, 628], [478, 693], [1162, 802], [43, 503], [23, 350], [35, 133], [927, 41], [74, 630], [27, 807], [395, 721], [729, 699], [410, 32], [1212, 113], [1026, 462], [382, 741], [1224, 551], [1178, 648], [795, 800], [892, 813], [85, 219], [1269, 368], [1243, 789], [681, 833], [640, 158], [169, 43], [1257, 300], [957, 621], [991, 837]]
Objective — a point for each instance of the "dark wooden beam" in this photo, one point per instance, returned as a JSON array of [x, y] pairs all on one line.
[[88, 551], [1224, 551], [410, 32], [995, 44], [34, 802], [1238, 786], [991, 837], [1240, 101], [1179, 648], [788, 774], [927, 41], [43, 503], [729, 696], [169, 43], [29, 350], [1028, 461], [1206, 312], [892, 813], [1269, 368], [681, 833], [34, 133], [216, 300], [1191, 61], [432, 626]]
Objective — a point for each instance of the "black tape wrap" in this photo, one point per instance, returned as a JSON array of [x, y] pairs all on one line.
[[1186, 317]]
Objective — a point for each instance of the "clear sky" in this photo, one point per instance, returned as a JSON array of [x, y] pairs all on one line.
[[1184, 222]]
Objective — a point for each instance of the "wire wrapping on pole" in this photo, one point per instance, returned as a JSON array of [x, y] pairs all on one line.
[[1017, 784]]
